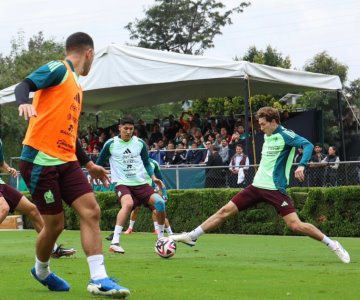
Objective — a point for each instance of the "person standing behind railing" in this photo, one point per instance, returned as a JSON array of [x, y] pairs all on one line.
[[332, 161], [316, 169]]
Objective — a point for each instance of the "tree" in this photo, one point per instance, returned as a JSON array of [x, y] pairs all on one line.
[[326, 101], [270, 57], [184, 26]]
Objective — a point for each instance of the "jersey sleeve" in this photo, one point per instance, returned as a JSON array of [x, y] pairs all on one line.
[[48, 75], [294, 140], [105, 153], [157, 171]]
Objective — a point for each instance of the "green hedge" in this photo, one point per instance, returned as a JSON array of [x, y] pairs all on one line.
[[336, 211]]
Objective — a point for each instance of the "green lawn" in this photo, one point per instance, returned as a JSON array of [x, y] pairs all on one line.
[[219, 267]]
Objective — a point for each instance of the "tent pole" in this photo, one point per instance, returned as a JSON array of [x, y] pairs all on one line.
[[341, 125], [246, 125]]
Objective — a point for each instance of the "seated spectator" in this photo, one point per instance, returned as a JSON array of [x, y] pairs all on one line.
[[194, 155], [141, 127], [235, 140], [206, 152], [224, 151], [156, 135], [157, 154], [330, 173], [239, 163], [170, 154], [214, 176], [180, 155], [225, 135], [185, 120], [242, 135], [95, 153]]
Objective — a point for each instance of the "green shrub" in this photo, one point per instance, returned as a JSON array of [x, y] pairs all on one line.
[[336, 211]]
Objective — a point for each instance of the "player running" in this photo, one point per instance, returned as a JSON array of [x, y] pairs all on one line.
[[129, 163], [270, 184]]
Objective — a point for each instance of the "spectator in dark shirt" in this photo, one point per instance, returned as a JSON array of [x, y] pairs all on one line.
[[156, 135], [194, 155], [215, 177]]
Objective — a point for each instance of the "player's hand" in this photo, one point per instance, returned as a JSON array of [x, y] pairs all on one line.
[[157, 181], [27, 111], [98, 174], [299, 173], [12, 172]]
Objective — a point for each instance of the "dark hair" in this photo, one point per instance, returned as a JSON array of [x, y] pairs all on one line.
[[269, 113], [79, 41], [127, 120], [318, 145]]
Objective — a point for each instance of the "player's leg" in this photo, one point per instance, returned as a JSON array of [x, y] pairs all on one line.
[[89, 212], [295, 224], [127, 205], [168, 226], [30, 210], [242, 200], [154, 219], [157, 202], [4, 209], [133, 217]]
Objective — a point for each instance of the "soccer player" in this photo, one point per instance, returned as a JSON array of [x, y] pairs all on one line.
[[11, 200], [129, 161], [50, 163], [162, 192], [270, 184]]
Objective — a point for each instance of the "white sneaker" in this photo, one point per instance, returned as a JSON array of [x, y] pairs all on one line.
[[183, 238], [116, 248], [341, 253]]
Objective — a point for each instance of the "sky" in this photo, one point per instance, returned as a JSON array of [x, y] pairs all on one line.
[[299, 29]]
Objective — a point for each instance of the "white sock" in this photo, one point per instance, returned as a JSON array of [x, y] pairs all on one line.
[[169, 230], [42, 269], [329, 242], [55, 247], [160, 230], [117, 232], [196, 233], [156, 224], [96, 266], [131, 224]]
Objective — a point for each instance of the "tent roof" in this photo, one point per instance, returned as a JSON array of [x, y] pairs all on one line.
[[124, 76]]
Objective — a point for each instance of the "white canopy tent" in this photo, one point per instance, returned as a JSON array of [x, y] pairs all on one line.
[[124, 76]]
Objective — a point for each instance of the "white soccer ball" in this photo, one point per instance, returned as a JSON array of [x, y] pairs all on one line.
[[165, 247]]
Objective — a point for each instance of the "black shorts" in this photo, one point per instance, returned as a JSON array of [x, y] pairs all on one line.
[[251, 196]]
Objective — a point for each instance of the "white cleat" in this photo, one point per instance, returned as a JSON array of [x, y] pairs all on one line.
[[183, 238], [116, 248], [341, 253]]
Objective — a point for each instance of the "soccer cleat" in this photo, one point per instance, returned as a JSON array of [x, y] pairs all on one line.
[[128, 231], [341, 253], [116, 248], [53, 282], [107, 287], [183, 238], [109, 237], [61, 251]]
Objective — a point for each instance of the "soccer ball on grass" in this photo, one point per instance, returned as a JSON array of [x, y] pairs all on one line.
[[165, 247]]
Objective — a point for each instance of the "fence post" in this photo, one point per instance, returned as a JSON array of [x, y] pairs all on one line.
[[177, 178]]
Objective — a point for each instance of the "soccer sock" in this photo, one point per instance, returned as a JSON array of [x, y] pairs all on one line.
[[169, 230], [97, 266], [198, 231], [55, 247], [131, 224], [156, 224], [329, 242], [117, 232], [42, 269], [160, 231]]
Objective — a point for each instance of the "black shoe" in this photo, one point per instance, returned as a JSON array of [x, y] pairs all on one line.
[[109, 237], [61, 251]]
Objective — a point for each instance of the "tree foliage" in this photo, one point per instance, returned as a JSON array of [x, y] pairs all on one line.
[[184, 26], [270, 57]]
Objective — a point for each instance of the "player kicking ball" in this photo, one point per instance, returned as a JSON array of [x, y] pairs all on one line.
[[270, 184]]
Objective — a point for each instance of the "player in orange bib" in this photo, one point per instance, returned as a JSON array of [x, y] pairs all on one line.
[[51, 162]]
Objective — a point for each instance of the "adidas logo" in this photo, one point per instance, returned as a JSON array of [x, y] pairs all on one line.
[[127, 151], [284, 204]]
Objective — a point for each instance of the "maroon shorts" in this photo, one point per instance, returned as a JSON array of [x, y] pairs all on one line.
[[251, 196], [139, 193], [49, 185], [11, 195]]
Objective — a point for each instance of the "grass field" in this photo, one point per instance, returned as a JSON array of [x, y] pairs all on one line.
[[219, 267]]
